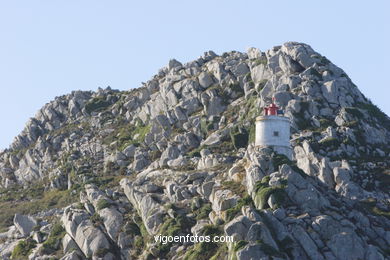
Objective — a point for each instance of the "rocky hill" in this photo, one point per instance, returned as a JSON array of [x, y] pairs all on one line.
[[96, 175]]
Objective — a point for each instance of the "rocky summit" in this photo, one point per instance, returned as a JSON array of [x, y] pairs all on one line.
[[97, 175]]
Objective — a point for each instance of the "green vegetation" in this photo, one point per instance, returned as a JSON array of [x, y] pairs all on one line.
[[126, 135], [235, 187], [375, 112], [261, 60], [325, 122], [96, 104], [203, 211], [360, 138], [370, 206], [96, 219], [239, 137], [141, 239], [263, 194], [236, 88], [204, 250], [354, 111], [23, 249], [172, 227], [53, 242], [315, 73], [231, 213], [262, 84], [280, 159], [351, 124], [106, 181], [264, 191], [300, 120], [101, 252], [252, 134], [329, 142], [131, 228], [221, 253], [30, 201], [102, 203], [325, 61], [240, 245], [207, 126], [195, 152]]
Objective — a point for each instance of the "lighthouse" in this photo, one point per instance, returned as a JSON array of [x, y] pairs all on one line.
[[273, 130]]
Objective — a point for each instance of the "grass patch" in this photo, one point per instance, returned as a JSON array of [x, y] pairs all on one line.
[[206, 250], [370, 206], [351, 124], [195, 152], [173, 227], [103, 203], [204, 211], [355, 112], [263, 194], [126, 135], [240, 245], [262, 84], [96, 219], [324, 123], [264, 191], [235, 187], [27, 203], [315, 73], [96, 104], [101, 252], [221, 253], [252, 134], [53, 242], [280, 159], [206, 126], [236, 88], [377, 113], [239, 137], [231, 213], [23, 249], [329, 142], [300, 120], [262, 60]]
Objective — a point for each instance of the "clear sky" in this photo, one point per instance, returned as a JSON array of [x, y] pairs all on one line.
[[50, 47]]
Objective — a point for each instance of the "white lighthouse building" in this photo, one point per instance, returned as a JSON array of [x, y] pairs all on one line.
[[273, 130]]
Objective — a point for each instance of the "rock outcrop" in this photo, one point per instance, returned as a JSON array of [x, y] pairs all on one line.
[[99, 174]]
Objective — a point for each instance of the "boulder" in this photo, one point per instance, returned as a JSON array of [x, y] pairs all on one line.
[[223, 199], [89, 238], [113, 221], [251, 252], [346, 246], [72, 256], [253, 53], [205, 80], [238, 228], [170, 153], [259, 231], [24, 224], [306, 242], [68, 244]]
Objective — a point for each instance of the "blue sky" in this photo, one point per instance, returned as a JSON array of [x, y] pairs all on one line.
[[49, 47]]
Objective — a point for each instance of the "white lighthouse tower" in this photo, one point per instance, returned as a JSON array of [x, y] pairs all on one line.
[[273, 130]]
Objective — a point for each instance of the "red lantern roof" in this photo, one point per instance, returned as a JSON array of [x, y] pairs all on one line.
[[271, 110]]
